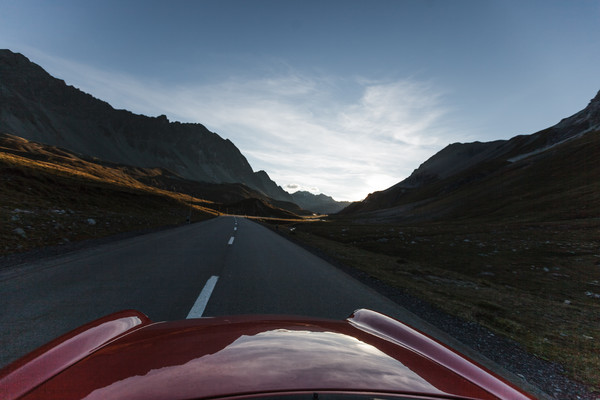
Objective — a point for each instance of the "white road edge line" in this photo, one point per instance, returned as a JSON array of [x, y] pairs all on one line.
[[202, 300], [231, 240]]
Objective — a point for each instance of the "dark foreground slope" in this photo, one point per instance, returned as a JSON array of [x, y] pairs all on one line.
[[36, 106]]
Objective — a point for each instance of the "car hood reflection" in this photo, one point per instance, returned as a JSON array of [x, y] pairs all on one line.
[[220, 357], [280, 360]]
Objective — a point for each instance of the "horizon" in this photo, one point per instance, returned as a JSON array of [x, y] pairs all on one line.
[[339, 98]]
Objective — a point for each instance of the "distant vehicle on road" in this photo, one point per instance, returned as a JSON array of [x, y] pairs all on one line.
[[366, 356]]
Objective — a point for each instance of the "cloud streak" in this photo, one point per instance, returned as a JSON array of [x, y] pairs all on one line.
[[306, 132], [339, 136]]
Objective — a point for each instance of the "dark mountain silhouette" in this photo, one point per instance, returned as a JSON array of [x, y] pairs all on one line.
[[554, 172], [318, 203], [38, 107]]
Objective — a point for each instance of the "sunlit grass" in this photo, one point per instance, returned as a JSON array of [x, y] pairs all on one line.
[[96, 173], [50, 196], [57, 201]]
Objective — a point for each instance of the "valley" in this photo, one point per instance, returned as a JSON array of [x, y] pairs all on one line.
[[502, 234], [50, 196]]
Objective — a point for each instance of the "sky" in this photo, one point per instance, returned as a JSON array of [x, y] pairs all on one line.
[[337, 97]]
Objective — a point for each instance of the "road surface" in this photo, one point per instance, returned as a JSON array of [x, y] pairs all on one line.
[[223, 266], [250, 269]]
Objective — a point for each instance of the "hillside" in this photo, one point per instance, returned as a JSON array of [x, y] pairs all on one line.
[[550, 174], [51, 196], [318, 203], [38, 107]]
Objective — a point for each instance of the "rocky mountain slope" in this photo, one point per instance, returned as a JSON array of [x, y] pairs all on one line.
[[318, 203], [36, 106], [552, 171], [50, 196]]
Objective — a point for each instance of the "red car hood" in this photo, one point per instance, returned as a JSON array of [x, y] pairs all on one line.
[[219, 357]]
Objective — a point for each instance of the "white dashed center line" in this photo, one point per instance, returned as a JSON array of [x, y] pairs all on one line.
[[202, 300]]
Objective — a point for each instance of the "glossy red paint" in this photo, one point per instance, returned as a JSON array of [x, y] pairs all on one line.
[[26, 373], [249, 355]]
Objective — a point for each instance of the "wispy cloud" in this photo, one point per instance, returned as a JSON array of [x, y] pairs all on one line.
[[339, 136], [305, 132]]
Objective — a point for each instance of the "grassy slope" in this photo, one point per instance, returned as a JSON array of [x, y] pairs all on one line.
[[517, 252], [51, 196]]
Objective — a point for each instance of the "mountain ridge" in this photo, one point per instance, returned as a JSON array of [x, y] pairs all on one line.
[[318, 203], [39, 107], [461, 167]]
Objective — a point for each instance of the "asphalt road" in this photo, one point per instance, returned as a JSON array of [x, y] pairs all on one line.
[[164, 274], [223, 266]]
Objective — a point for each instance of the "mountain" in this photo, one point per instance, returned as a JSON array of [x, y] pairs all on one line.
[[39, 107], [551, 173], [215, 197], [226, 196], [319, 203], [51, 196]]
